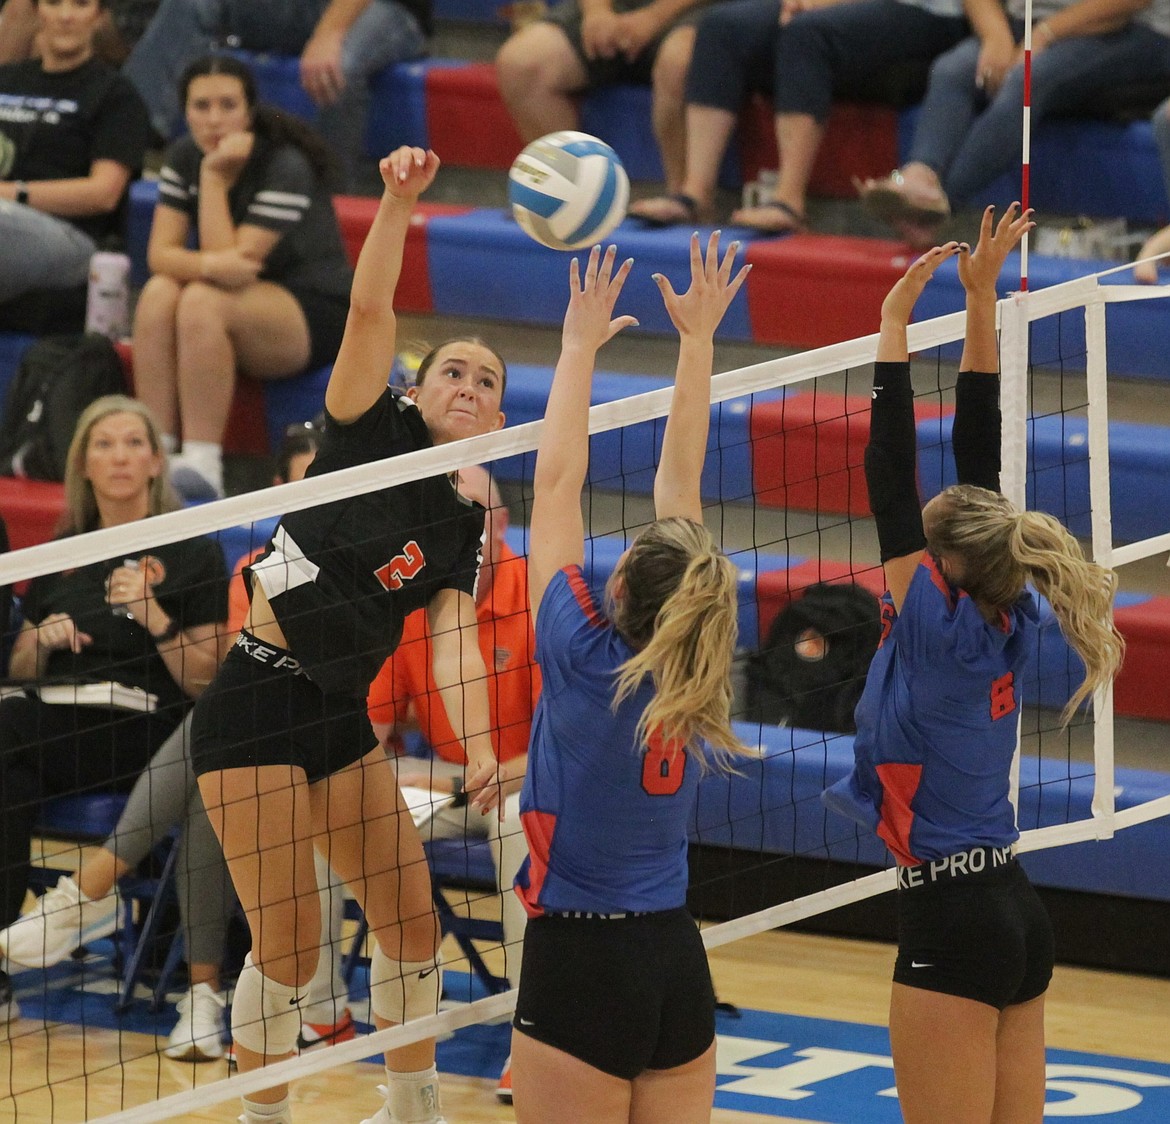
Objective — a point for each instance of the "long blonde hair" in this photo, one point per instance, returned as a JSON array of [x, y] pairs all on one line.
[[678, 611], [1000, 548], [81, 509]]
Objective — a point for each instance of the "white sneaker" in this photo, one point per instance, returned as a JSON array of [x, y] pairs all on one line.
[[382, 1116], [198, 1035], [62, 920]]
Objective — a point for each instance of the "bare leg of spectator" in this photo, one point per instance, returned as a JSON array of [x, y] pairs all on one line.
[[668, 107], [539, 73]]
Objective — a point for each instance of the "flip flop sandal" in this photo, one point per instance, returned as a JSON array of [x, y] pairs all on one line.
[[790, 221], [687, 213]]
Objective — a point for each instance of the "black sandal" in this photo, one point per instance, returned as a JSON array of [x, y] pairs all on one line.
[[793, 221], [688, 204]]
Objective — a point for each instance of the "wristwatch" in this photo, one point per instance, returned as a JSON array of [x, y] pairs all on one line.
[[169, 633], [459, 793], [22, 192]]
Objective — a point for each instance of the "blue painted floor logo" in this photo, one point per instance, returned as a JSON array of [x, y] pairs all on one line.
[[841, 1073]]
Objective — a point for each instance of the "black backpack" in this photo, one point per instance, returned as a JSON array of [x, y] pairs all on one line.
[[57, 378], [794, 680]]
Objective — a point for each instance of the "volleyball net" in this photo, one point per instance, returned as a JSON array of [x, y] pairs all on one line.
[[784, 494]]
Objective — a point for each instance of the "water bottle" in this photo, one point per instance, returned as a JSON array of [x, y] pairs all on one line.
[[107, 305]]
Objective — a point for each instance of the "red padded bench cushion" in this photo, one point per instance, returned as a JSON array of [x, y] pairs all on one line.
[[809, 290], [808, 451], [31, 510], [355, 213], [1140, 689]]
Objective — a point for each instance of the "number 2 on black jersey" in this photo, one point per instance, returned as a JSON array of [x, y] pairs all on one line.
[[402, 567], [664, 764]]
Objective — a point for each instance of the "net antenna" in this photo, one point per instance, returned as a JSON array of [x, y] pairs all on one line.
[[1026, 142]]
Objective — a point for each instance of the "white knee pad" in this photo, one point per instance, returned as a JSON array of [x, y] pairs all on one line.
[[401, 990], [266, 1015]]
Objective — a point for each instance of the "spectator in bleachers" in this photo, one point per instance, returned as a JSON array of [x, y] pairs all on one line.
[[404, 696], [804, 56], [1159, 242], [265, 290], [73, 134], [968, 133], [120, 28], [577, 47], [18, 30], [84, 907], [151, 622], [342, 44]]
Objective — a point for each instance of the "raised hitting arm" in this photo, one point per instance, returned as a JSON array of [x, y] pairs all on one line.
[[557, 536], [696, 314], [367, 349]]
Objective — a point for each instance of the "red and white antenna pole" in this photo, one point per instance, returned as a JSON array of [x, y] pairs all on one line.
[[1026, 170]]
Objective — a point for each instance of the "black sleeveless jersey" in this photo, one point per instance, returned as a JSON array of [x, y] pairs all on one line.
[[342, 577]]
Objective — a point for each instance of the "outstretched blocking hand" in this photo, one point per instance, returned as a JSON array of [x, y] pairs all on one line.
[[589, 319], [901, 299], [699, 310], [979, 269], [407, 172]]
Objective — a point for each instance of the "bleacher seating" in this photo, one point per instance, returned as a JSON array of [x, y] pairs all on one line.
[[772, 805]]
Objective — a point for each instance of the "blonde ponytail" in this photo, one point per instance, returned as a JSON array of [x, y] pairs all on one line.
[[679, 611], [1080, 593], [999, 549]]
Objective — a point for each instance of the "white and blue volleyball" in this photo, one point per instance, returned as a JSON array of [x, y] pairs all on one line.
[[568, 190]]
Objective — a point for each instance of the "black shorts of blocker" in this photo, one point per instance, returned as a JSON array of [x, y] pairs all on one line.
[[984, 936], [621, 994], [261, 710]]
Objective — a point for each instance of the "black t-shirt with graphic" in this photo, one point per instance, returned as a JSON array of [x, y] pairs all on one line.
[[277, 190], [190, 582], [61, 122], [342, 577]]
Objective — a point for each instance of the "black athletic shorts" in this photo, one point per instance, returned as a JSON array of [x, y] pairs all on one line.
[[261, 709], [326, 315], [607, 72], [984, 936], [623, 995]]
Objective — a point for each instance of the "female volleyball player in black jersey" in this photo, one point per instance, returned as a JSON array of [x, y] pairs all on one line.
[[282, 743]]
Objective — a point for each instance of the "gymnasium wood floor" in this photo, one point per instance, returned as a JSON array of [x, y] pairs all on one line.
[[784, 972]]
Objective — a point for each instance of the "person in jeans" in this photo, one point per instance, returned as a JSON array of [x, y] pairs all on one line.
[[341, 44], [968, 133]]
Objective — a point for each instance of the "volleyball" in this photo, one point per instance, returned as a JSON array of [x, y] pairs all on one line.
[[568, 190]]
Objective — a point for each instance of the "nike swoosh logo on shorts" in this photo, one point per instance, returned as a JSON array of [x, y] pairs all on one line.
[[527, 1022], [423, 975], [917, 964]]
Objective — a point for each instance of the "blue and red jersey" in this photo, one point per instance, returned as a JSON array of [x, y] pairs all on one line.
[[605, 817], [936, 724]]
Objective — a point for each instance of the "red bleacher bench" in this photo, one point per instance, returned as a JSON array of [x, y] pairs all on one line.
[[1140, 689], [860, 142], [808, 451], [809, 290], [355, 213], [31, 509]]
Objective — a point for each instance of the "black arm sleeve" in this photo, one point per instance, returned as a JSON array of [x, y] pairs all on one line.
[[891, 463], [975, 437]]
